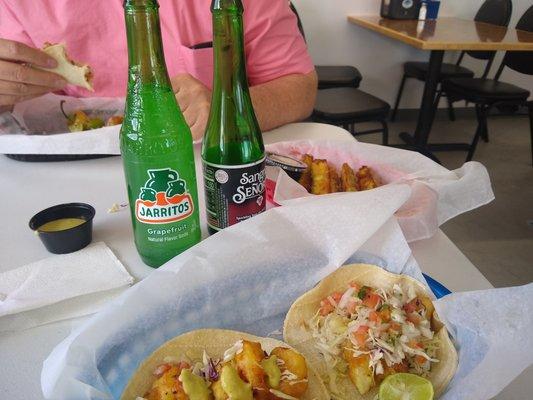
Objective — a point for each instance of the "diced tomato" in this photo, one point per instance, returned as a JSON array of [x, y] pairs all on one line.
[[374, 317], [351, 306], [184, 365], [356, 286], [414, 344], [414, 318], [401, 367], [336, 296], [361, 335], [326, 307], [394, 326], [413, 305], [420, 360], [160, 370], [371, 300]]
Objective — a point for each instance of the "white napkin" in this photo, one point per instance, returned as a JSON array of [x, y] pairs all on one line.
[[60, 287], [437, 194]]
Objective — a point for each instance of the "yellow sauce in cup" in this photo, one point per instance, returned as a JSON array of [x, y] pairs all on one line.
[[61, 224]]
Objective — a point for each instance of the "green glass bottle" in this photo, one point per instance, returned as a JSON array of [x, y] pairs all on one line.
[[233, 153], [156, 146]]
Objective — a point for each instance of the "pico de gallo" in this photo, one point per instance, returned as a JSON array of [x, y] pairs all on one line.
[[367, 334]]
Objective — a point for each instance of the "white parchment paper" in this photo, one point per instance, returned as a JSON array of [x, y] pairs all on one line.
[[437, 194], [39, 127], [246, 277]]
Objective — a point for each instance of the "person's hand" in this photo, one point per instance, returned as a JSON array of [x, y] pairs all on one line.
[[194, 99], [18, 80]]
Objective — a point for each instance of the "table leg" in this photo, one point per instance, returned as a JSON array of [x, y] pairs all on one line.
[[426, 115]]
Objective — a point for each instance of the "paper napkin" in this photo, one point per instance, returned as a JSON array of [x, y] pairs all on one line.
[[60, 287]]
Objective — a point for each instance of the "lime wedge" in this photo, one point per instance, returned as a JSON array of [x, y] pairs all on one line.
[[405, 387]]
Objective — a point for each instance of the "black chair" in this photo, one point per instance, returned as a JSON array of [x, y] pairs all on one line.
[[340, 103], [496, 12], [332, 76], [489, 93], [349, 106]]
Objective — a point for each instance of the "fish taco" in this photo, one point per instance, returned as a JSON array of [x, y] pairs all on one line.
[[216, 364], [361, 324]]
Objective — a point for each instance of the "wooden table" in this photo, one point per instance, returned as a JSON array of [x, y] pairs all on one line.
[[437, 36]]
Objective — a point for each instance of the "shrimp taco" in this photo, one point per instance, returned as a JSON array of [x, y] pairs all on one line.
[[215, 364], [362, 324]]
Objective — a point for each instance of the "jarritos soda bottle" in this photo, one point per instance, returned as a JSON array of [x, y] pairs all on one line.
[[156, 146], [233, 153]]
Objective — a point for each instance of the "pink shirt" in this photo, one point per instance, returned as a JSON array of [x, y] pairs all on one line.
[[94, 33]]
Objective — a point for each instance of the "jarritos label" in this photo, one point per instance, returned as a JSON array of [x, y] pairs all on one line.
[[234, 192], [163, 198]]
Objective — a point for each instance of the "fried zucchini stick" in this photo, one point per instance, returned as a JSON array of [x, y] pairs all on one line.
[[320, 177], [348, 181], [334, 183], [365, 180], [306, 180]]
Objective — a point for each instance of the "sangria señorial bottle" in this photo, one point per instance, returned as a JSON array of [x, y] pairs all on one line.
[[233, 153]]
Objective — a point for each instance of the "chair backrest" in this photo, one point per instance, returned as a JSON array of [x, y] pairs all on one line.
[[496, 12], [300, 26], [520, 61]]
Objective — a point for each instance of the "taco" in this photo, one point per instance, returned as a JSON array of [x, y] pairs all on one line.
[[216, 364], [73, 72], [362, 324]]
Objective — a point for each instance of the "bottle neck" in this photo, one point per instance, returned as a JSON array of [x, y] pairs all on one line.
[[228, 46], [145, 47]]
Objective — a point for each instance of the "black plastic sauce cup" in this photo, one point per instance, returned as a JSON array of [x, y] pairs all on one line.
[[293, 167], [68, 240]]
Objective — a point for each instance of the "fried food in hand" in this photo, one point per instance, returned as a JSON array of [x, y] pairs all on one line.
[[334, 182], [365, 180], [348, 182], [320, 177], [306, 180]]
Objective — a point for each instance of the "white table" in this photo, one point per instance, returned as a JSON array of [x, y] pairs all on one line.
[[29, 187]]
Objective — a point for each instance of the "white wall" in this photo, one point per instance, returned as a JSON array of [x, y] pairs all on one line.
[[332, 40]]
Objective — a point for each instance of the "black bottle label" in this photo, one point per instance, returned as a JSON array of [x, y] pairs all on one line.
[[233, 193]]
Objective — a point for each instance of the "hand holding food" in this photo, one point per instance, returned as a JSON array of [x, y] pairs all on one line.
[[215, 364], [74, 73], [26, 72]]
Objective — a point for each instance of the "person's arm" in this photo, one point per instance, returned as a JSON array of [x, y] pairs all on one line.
[[283, 100], [278, 102]]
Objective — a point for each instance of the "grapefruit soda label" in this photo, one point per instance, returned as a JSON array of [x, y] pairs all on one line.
[[163, 198]]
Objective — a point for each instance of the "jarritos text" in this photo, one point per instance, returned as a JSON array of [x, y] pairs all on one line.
[[163, 198]]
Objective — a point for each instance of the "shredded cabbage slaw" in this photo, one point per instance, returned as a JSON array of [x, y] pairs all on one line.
[[391, 328]]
